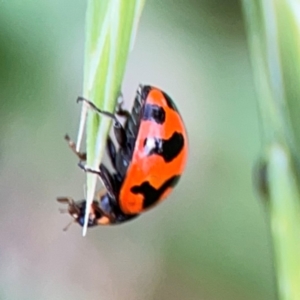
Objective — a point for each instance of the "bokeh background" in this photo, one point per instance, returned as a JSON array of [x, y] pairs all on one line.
[[210, 240]]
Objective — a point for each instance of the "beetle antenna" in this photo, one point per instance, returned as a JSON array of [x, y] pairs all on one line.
[[68, 225], [85, 191]]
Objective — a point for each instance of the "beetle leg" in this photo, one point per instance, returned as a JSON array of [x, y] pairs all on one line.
[[104, 207], [120, 135], [99, 194], [72, 145], [105, 175], [120, 111], [111, 150], [118, 128], [109, 179]]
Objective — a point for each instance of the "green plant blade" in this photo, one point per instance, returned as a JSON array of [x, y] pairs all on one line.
[[285, 221], [110, 31], [274, 38]]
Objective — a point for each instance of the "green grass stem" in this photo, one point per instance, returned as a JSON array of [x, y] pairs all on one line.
[[111, 27]]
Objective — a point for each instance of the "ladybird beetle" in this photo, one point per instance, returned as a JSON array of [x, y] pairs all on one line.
[[152, 155]]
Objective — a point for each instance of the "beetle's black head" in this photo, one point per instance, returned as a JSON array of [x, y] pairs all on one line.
[[77, 211]]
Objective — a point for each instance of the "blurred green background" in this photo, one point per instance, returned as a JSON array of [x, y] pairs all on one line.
[[210, 240]]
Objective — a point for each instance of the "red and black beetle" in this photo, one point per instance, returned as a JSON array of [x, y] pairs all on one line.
[[151, 157]]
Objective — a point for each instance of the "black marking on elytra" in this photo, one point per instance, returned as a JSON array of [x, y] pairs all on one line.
[[152, 195], [154, 113], [167, 149], [170, 102]]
